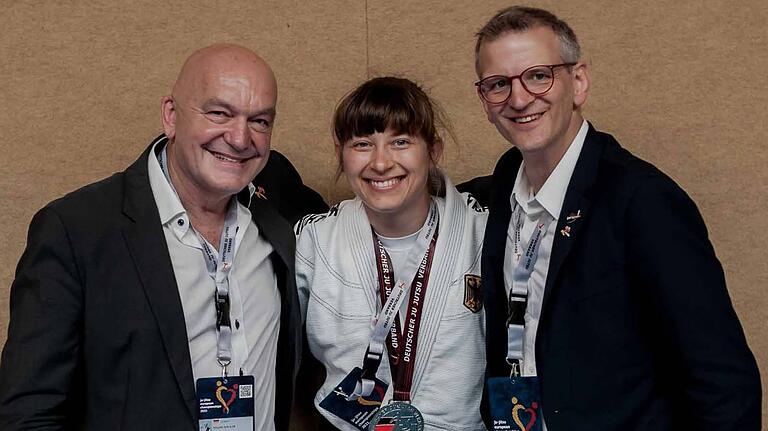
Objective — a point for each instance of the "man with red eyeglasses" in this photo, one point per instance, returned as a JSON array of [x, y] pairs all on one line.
[[606, 307]]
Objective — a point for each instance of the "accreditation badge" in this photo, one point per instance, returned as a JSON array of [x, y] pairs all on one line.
[[397, 416], [514, 403], [225, 403], [357, 412]]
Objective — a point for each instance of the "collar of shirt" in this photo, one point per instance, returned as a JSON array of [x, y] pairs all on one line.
[[168, 203], [552, 194]]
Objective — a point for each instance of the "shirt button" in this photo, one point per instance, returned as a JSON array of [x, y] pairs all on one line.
[[237, 324], [180, 222]]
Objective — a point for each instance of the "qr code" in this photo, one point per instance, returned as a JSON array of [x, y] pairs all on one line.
[[246, 391]]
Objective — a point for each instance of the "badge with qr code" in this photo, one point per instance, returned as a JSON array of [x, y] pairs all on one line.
[[225, 403]]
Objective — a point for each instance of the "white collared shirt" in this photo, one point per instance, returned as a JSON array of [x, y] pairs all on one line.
[[254, 297], [548, 200]]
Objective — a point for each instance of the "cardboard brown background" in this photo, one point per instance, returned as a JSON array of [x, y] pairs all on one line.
[[681, 84]]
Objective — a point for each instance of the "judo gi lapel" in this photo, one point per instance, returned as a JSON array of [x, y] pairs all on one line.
[[144, 237], [576, 206], [361, 246], [444, 271]]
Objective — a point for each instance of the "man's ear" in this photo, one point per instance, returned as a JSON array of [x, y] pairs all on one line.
[[580, 84], [168, 113]]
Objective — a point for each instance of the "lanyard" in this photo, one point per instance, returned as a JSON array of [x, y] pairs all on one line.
[[219, 266], [526, 256], [402, 354], [417, 265]]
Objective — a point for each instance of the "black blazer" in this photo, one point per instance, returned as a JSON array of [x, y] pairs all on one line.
[[97, 338], [637, 331]]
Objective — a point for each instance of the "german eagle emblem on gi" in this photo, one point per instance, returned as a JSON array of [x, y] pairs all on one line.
[[397, 416], [473, 292]]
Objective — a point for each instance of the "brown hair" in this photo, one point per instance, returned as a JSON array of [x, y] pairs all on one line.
[[522, 18], [390, 103]]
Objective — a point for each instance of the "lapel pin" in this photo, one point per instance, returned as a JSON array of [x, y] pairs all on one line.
[[573, 217], [260, 193], [566, 231]]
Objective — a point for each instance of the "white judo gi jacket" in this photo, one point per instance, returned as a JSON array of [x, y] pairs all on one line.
[[338, 290]]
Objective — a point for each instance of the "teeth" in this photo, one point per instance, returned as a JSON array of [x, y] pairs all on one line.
[[385, 184], [527, 119], [225, 158]]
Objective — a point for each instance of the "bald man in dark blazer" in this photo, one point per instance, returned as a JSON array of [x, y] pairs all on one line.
[[97, 337]]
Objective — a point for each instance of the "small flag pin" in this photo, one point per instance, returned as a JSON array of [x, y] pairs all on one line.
[[573, 217], [260, 193]]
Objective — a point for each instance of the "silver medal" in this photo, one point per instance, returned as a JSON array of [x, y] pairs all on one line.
[[397, 416]]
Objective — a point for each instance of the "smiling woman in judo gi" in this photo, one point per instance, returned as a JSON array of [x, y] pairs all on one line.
[[389, 282]]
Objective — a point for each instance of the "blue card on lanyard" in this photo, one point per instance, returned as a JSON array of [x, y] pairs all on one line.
[[225, 403], [357, 412], [515, 404]]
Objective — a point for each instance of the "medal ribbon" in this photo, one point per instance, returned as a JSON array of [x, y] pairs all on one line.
[[395, 294], [219, 266], [402, 356], [518, 294]]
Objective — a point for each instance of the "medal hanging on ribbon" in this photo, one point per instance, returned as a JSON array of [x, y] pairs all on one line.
[[397, 416], [357, 397], [402, 342]]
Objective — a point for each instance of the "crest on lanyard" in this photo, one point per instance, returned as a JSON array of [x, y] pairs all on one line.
[[473, 292]]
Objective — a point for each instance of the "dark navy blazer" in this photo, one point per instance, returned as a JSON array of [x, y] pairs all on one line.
[[97, 338], [637, 331]]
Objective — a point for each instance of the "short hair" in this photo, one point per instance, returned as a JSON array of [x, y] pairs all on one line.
[[392, 103], [523, 18]]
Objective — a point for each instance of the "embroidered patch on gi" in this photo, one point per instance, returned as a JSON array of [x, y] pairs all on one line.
[[312, 218], [473, 292], [475, 204]]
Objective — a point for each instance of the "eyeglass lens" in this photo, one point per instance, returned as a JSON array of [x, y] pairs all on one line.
[[536, 80]]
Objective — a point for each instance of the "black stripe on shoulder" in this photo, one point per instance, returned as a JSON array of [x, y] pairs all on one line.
[[313, 218]]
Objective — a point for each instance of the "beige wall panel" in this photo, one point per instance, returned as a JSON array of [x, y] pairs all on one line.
[[680, 84]]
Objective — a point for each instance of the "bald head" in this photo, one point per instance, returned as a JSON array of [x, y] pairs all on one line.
[[219, 122], [222, 60]]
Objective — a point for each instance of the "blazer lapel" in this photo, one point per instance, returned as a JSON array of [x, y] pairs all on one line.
[[575, 209], [279, 233], [492, 272], [144, 237], [275, 229]]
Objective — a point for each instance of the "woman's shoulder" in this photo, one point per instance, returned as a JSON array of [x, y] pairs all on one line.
[[324, 222], [463, 198], [466, 202]]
